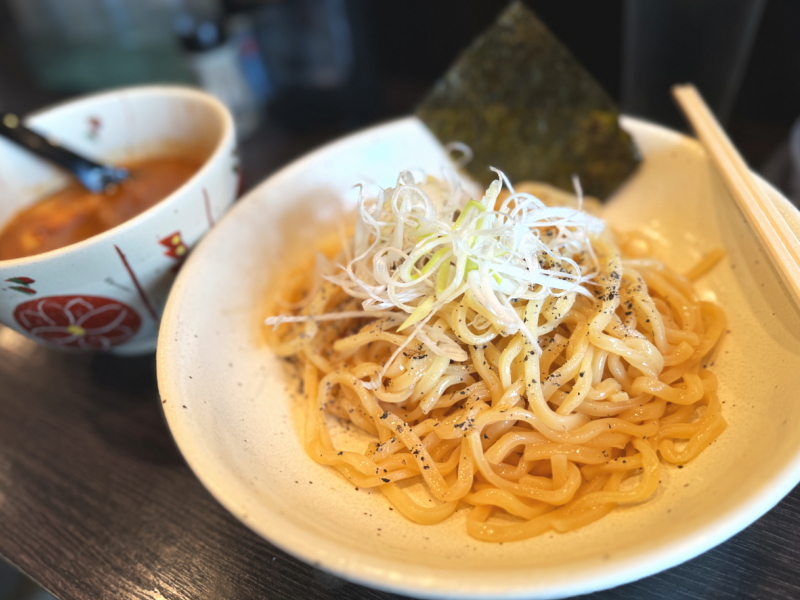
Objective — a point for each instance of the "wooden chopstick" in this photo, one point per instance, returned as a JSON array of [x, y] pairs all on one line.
[[780, 243]]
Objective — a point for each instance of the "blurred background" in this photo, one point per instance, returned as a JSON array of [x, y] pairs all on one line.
[[297, 73]]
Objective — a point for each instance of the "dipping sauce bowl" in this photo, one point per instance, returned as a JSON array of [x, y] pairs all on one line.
[[107, 292]]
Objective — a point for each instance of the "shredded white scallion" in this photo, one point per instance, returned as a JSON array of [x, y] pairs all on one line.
[[423, 244]]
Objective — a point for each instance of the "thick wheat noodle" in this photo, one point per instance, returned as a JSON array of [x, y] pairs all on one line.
[[552, 440]]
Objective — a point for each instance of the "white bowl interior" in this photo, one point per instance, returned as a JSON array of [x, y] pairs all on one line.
[[116, 127], [233, 407]]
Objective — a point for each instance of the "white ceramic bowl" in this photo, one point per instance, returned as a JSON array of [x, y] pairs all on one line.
[[108, 292], [232, 407]]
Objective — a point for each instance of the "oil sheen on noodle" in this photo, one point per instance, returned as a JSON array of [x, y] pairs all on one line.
[[514, 358]]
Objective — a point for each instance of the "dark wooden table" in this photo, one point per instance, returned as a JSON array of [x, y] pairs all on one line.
[[97, 503]]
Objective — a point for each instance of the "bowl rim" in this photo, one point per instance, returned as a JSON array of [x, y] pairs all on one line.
[[227, 138], [319, 555]]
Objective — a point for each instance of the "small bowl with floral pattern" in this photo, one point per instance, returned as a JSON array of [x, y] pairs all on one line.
[[107, 292]]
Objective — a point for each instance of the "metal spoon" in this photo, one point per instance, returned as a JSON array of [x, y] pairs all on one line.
[[94, 176]]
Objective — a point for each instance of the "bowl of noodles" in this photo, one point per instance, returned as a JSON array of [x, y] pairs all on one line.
[[443, 391]]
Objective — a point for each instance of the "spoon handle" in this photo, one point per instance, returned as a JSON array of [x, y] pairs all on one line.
[[94, 176]]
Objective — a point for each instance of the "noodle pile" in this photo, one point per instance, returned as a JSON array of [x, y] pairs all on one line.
[[506, 357]]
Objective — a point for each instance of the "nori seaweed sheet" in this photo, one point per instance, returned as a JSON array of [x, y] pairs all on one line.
[[524, 104]]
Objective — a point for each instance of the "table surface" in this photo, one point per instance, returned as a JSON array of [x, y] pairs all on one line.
[[96, 501]]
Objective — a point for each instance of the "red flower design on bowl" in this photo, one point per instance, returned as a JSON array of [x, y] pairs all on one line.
[[84, 322]]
